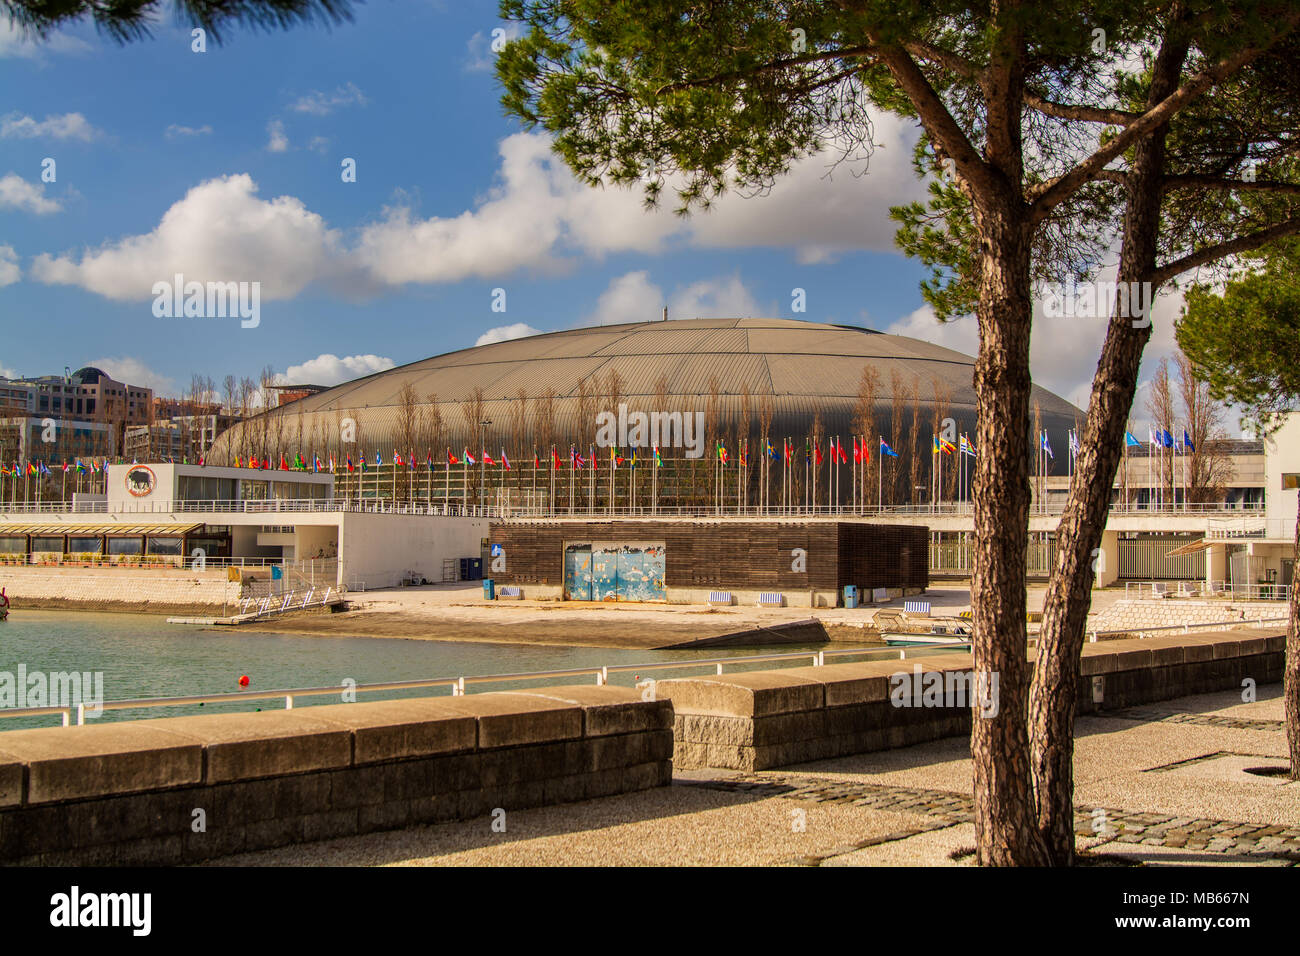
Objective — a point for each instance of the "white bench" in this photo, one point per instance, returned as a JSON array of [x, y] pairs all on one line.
[[920, 608], [771, 599], [720, 597], [510, 592]]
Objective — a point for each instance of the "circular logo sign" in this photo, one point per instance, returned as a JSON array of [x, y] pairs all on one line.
[[140, 480]]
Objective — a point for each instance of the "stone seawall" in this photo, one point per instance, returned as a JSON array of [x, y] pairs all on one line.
[[757, 720], [118, 589], [135, 793], [1173, 611]]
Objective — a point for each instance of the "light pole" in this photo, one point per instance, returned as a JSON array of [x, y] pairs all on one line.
[[482, 465]]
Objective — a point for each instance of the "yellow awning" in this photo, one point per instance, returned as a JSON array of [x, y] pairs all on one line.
[[1190, 548], [104, 527]]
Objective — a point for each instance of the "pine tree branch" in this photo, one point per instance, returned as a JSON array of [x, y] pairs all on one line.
[[1201, 257]]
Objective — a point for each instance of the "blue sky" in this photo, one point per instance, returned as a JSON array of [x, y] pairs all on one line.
[[225, 166]]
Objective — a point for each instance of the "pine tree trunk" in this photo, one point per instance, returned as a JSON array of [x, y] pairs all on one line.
[[1054, 694], [1005, 821], [1291, 672]]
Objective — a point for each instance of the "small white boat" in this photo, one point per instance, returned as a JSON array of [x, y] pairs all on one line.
[[938, 634]]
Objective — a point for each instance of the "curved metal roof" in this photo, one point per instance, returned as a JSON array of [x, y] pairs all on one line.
[[806, 367]]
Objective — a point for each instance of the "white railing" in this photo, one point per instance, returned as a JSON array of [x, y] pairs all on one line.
[[458, 684], [1143, 590], [432, 506], [1142, 632], [1251, 527], [285, 601]]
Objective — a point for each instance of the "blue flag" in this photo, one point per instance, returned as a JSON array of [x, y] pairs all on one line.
[[1187, 440], [886, 450], [1047, 446], [1130, 441]]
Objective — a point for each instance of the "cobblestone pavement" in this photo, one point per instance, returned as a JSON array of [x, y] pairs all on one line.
[[1149, 714], [1113, 827]]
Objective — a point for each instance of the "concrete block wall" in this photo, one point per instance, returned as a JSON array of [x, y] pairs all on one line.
[[761, 719], [127, 793]]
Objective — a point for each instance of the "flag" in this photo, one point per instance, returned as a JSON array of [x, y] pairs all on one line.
[[555, 457], [857, 450], [428, 460], [469, 459], [298, 463], [284, 464], [1130, 441], [505, 462], [591, 455], [966, 447], [488, 459], [316, 463], [1187, 441], [378, 461], [451, 459], [771, 452], [1074, 442], [1047, 446], [537, 462], [1166, 439], [397, 458], [817, 453], [787, 450], [722, 453], [946, 446], [659, 462], [886, 450]]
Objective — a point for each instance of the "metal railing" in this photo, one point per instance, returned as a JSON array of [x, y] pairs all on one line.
[[458, 684], [1142, 632], [282, 602], [505, 509], [1141, 590], [601, 674]]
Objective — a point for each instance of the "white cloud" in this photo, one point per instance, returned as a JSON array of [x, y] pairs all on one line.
[[278, 142], [220, 231], [318, 144], [18, 193], [821, 209], [723, 297], [504, 333], [67, 126], [14, 43], [525, 221], [175, 132], [317, 103], [9, 270], [481, 55], [328, 369], [1063, 351], [132, 371], [631, 297]]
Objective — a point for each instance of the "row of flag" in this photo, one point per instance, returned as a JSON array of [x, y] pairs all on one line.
[[79, 467], [1161, 438]]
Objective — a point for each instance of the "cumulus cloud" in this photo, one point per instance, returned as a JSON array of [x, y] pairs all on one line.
[[328, 369], [9, 271], [220, 231], [479, 47], [278, 142], [67, 126], [18, 45], [132, 371], [1063, 351], [175, 131], [317, 103], [631, 297], [523, 222], [504, 333], [18, 193]]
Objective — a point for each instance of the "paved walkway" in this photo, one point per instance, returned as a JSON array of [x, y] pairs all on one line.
[[1164, 784]]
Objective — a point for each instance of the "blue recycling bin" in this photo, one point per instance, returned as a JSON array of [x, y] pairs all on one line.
[[851, 595], [489, 589], [277, 572]]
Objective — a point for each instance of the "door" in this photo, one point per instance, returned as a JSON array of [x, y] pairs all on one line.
[[604, 573], [641, 573], [577, 572]]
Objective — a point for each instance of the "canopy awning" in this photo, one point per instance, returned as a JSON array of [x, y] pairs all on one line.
[[1190, 548], [98, 528]]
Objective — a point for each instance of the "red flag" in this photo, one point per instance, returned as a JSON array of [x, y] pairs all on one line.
[[857, 451], [284, 465], [452, 459], [817, 454], [555, 457]]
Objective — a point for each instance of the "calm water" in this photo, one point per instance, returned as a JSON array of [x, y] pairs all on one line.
[[143, 656]]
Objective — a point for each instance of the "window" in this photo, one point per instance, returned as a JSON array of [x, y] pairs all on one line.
[[84, 545], [160, 544], [13, 545], [124, 545], [48, 544], [1290, 479]]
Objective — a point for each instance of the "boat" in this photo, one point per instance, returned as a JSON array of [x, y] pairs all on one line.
[[956, 633]]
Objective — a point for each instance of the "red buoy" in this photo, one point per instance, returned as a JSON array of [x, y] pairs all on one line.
[[243, 680]]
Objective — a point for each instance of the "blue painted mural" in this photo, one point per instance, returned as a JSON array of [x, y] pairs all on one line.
[[577, 572], [608, 571]]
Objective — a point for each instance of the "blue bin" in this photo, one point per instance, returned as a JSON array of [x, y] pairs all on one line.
[[489, 589], [851, 595], [277, 572]]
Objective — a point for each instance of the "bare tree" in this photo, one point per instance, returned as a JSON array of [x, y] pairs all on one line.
[[1208, 464]]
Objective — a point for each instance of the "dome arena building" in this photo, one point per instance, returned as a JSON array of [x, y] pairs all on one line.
[[779, 378]]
